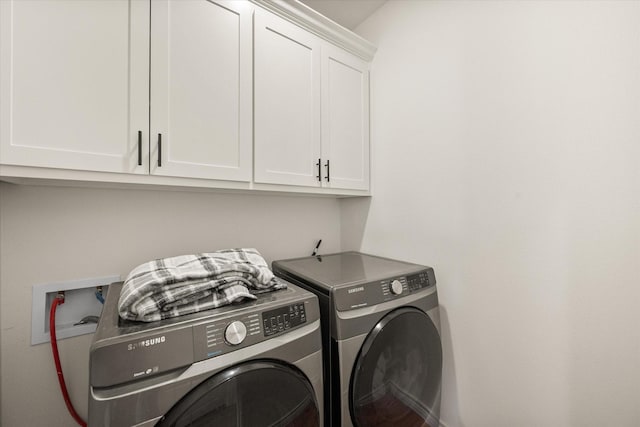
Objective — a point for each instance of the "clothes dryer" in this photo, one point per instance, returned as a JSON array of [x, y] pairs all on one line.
[[381, 338], [252, 364]]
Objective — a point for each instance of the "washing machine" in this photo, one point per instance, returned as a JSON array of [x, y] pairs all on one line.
[[254, 364], [381, 337]]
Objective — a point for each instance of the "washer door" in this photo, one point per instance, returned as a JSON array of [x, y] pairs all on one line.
[[263, 393], [396, 377]]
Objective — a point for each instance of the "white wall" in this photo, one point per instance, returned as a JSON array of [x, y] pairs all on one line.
[[51, 234], [506, 144]]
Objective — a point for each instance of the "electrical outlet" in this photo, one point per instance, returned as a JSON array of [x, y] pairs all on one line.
[[79, 301]]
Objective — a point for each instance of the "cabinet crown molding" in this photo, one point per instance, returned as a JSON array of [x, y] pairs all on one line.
[[318, 24]]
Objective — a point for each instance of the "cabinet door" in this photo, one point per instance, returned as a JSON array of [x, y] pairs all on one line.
[[287, 103], [201, 89], [74, 84], [345, 120]]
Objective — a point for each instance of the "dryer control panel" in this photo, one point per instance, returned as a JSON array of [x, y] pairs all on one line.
[[379, 291]]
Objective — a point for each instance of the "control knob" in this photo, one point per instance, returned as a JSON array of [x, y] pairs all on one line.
[[396, 287], [235, 332]]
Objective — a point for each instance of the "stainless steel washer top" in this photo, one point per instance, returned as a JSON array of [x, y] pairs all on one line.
[[176, 369]]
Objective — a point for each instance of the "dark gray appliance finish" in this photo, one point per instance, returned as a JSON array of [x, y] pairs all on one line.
[[174, 371], [381, 337]]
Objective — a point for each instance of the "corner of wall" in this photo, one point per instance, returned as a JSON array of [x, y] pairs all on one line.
[[2, 204], [353, 222]]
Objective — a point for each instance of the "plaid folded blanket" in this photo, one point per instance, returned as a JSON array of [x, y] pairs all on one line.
[[187, 284]]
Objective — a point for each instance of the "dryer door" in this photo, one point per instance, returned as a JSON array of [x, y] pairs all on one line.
[[396, 376], [262, 393]]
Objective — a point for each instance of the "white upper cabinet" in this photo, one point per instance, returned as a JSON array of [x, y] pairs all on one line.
[[76, 78], [74, 84], [238, 94], [311, 109], [287, 112], [345, 120], [201, 89]]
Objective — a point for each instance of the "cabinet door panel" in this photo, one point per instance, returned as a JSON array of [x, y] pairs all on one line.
[[287, 103], [201, 88], [345, 127], [74, 84]]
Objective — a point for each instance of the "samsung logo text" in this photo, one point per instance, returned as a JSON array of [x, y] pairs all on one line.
[[146, 343], [354, 290]]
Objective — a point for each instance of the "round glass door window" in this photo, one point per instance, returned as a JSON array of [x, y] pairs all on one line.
[[248, 395], [396, 378]]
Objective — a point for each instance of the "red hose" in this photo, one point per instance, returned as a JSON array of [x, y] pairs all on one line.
[[56, 357]]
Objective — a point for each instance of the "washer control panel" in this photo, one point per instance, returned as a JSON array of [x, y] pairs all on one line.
[[283, 318], [218, 337], [221, 336], [376, 292]]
